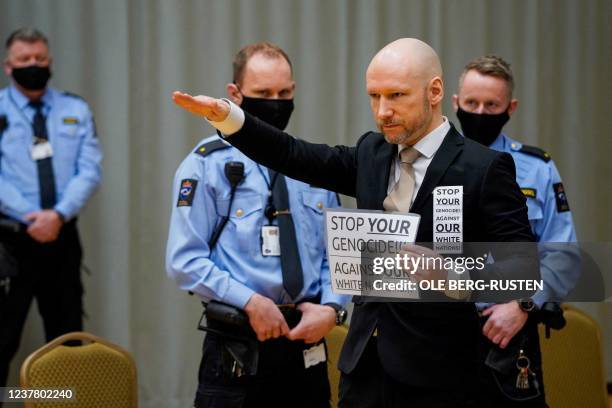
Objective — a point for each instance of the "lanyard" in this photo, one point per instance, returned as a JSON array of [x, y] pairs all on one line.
[[36, 140], [18, 109], [270, 211]]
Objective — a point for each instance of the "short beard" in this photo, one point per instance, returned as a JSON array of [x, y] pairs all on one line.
[[416, 132]]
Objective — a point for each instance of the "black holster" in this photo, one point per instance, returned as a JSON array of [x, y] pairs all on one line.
[[9, 231], [503, 362], [551, 316], [8, 263], [240, 344], [232, 326], [503, 365]]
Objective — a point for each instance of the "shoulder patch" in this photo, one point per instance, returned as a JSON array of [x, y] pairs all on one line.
[[206, 148], [535, 151], [560, 197], [186, 192], [528, 192]]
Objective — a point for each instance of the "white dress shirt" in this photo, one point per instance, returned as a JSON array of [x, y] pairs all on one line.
[[427, 147]]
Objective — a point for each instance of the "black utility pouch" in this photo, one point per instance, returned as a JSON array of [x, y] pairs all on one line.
[[240, 345], [223, 313], [8, 262], [505, 366], [244, 357]]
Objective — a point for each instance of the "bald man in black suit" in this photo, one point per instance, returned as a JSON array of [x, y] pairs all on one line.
[[408, 354]]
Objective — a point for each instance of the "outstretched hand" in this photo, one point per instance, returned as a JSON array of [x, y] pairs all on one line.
[[213, 109]]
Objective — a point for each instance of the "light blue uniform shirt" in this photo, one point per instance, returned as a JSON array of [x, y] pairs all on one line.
[[236, 268], [76, 153], [537, 178]]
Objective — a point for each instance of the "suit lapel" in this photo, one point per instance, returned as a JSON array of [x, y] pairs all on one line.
[[449, 149], [382, 165]]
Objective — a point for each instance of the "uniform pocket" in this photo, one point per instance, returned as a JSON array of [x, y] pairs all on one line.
[[534, 209], [17, 134], [66, 146], [16, 142], [314, 204], [245, 222]]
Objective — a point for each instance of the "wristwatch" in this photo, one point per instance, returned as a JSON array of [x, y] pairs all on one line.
[[526, 304], [341, 313]]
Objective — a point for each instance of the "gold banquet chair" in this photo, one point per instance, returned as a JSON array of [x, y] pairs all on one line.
[[572, 360], [101, 374], [335, 340]]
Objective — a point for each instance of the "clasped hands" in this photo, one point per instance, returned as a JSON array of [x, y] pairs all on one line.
[[268, 322], [45, 225]]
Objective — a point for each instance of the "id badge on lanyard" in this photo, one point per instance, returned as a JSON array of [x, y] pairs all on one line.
[[270, 240], [270, 234], [41, 150]]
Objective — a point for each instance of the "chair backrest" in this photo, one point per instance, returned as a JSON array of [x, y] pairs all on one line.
[[100, 373], [572, 360], [335, 340]]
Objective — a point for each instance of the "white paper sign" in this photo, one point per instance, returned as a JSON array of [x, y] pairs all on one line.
[[348, 232], [448, 219]]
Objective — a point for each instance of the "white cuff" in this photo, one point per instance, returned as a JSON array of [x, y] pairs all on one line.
[[233, 122]]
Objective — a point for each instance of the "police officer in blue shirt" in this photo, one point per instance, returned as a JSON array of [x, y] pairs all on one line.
[[249, 240], [484, 104], [49, 168]]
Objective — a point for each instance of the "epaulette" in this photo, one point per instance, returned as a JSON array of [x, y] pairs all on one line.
[[73, 95], [535, 151], [206, 148]]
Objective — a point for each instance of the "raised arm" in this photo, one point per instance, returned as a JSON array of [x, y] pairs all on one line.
[[332, 168], [211, 108]]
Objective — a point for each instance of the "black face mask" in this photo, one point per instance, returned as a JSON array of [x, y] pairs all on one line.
[[480, 127], [32, 78], [275, 112]]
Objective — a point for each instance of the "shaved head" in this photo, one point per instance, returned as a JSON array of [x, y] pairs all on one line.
[[414, 56], [404, 82]]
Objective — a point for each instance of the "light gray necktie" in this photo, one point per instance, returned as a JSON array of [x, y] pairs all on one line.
[[400, 197]]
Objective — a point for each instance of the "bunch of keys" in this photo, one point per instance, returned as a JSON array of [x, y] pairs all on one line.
[[523, 363], [236, 370]]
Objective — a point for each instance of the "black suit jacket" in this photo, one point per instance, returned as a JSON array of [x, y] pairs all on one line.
[[423, 344]]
